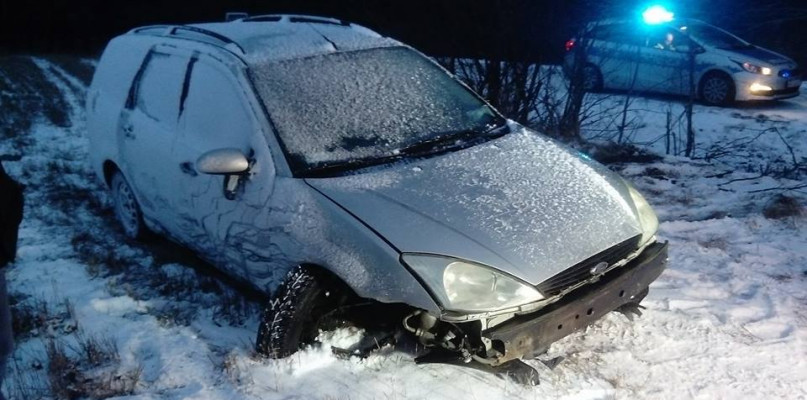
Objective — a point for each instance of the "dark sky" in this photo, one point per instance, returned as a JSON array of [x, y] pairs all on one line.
[[523, 29]]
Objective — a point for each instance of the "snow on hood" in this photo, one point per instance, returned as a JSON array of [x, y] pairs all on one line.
[[521, 203]]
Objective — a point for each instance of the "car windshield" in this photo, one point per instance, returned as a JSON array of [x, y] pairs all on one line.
[[711, 36], [350, 108]]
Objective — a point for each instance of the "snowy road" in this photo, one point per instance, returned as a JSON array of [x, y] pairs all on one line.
[[728, 319]]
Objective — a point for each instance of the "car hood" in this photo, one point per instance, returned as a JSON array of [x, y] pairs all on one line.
[[521, 203], [757, 55]]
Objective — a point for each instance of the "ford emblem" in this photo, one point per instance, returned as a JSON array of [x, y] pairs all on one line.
[[599, 268]]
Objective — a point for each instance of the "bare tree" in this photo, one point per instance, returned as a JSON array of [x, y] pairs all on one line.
[[513, 87], [690, 147]]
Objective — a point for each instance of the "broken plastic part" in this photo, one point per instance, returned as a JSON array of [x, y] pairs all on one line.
[[517, 370]]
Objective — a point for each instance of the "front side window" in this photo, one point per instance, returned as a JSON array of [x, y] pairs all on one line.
[[214, 113], [665, 39], [351, 107]]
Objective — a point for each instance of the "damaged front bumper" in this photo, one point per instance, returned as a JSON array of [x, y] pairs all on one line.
[[532, 333]]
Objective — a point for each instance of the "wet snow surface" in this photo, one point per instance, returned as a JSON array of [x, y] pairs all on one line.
[[728, 319]]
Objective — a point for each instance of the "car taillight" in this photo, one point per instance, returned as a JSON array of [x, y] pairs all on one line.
[[569, 44]]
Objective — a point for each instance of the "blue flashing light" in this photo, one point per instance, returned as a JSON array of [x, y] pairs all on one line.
[[657, 15]]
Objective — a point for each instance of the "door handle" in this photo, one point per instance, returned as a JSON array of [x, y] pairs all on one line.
[[188, 169], [128, 132]]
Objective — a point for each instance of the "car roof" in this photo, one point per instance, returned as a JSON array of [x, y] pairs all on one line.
[[275, 37]]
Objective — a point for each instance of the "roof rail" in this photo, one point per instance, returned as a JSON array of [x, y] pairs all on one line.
[[174, 30], [234, 15], [152, 29], [295, 18], [202, 31]]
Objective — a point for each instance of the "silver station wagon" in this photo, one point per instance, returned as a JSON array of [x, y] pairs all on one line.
[[340, 171]]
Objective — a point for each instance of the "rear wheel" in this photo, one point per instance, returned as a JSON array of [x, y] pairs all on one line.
[[717, 89], [127, 210], [303, 305]]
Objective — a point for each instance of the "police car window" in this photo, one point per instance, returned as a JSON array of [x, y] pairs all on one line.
[[158, 89], [618, 33], [668, 39]]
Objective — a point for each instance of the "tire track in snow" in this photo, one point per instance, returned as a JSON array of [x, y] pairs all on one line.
[[71, 88]]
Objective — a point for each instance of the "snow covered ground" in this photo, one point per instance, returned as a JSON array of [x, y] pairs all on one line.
[[100, 317]]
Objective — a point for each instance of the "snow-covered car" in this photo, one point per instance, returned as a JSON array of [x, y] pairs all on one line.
[[329, 166], [633, 55]]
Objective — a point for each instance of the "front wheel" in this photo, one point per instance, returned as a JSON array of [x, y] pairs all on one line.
[[717, 89], [301, 306]]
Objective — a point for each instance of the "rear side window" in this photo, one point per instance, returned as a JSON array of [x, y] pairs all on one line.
[[157, 92]]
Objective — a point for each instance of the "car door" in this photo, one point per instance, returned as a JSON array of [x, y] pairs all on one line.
[[664, 67], [615, 51], [217, 114], [147, 131]]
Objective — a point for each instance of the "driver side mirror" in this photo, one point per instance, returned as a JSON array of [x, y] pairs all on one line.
[[231, 163], [223, 162]]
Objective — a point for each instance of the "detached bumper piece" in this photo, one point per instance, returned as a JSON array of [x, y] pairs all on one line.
[[517, 370], [531, 334]]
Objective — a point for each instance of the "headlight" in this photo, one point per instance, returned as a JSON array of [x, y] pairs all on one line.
[[756, 69], [758, 87], [464, 286], [647, 217]]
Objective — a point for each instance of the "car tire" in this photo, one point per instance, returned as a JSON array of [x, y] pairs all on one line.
[[717, 89], [127, 209], [592, 78], [292, 318]]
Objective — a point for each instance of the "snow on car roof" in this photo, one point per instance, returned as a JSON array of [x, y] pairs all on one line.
[[283, 37]]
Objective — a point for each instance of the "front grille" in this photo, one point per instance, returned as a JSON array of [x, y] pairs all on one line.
[[790, 73], [582, 270]]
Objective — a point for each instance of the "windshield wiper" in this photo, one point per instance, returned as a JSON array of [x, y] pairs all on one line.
[[422, 148], [336, 168], [440, 141], [438, 144], [452, 140]]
